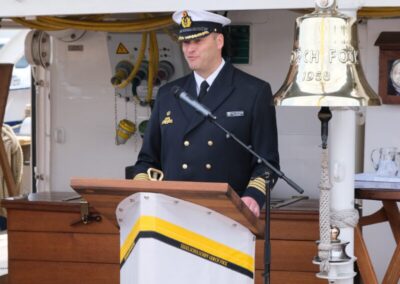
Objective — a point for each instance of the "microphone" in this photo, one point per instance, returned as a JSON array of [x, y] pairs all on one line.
[[181, 94]]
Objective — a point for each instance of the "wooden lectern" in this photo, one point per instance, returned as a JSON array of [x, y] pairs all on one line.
[[105, 195], [212, 233]]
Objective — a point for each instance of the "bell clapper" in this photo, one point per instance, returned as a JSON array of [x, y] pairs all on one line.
[[324, 116]]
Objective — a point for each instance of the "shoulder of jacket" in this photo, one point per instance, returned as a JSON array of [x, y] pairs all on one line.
[[166, 89], [244, 77]]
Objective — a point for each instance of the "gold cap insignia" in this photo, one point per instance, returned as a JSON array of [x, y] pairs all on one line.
[[186, 21]]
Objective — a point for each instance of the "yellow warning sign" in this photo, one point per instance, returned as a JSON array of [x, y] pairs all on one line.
[[121, 49]]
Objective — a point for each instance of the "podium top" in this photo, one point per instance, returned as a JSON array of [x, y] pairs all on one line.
[[105, 195]]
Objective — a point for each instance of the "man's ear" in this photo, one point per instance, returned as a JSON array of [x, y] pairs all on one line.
[[220, 40]]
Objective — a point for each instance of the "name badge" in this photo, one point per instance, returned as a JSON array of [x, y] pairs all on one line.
[[236, 113]]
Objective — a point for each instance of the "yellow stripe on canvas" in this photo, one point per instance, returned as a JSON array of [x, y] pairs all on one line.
[[180, 234]]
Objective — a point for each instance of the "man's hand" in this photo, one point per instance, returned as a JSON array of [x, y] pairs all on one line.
[[252, 204]]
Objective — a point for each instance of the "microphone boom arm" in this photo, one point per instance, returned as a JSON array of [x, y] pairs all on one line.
[[260, 159]]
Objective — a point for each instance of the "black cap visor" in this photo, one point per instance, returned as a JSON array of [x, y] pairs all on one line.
[[198, 30]]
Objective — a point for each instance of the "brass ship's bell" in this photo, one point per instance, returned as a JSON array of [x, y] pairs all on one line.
[[325, 67]]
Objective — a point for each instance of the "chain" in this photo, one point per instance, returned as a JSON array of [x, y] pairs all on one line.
[[116, 116], [148, 112], [126, 104], [137, 126]]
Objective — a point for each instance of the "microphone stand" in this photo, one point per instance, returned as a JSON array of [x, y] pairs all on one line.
[[181, 94], [267, 243]]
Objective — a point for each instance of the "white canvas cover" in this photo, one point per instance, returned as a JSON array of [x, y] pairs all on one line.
[[167, 240]]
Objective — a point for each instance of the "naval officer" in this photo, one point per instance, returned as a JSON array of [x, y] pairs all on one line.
[[187, 147]]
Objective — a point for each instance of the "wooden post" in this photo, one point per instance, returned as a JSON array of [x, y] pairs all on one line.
[[5, 80], [363, 260]]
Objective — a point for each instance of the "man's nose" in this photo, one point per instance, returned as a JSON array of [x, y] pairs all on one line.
[[190, 47]]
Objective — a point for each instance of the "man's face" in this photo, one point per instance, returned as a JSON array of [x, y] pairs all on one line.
[[204, 54]]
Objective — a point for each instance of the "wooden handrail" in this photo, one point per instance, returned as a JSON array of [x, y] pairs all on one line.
[[5, 80]]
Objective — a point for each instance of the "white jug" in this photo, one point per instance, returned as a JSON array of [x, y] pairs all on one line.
[[384, 161]]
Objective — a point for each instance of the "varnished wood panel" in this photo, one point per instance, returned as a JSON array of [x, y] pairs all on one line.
[[287, 255], [293, 255], [98, 248], [294, 229], [4, 279], [285, 277], [31, 272], [49, 221]]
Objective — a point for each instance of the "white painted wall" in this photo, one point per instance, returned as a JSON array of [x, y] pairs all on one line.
[[82, 109]]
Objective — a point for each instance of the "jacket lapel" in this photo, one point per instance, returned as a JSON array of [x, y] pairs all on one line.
[[190, 88], [221, 88], [219, 91]]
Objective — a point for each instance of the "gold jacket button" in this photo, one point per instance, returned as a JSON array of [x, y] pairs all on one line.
[[210, 143], [208, 166], [184, 166], [186, 143]]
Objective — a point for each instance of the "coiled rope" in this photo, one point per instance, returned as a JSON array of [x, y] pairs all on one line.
[[15, 159]]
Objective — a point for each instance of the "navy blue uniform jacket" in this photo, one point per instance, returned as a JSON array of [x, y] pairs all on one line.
[[187, 147]]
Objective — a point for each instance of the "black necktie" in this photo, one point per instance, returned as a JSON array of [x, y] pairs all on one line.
[[203, 90]]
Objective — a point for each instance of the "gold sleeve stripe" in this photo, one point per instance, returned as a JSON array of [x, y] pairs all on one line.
[[141, 176], [258, 183]]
